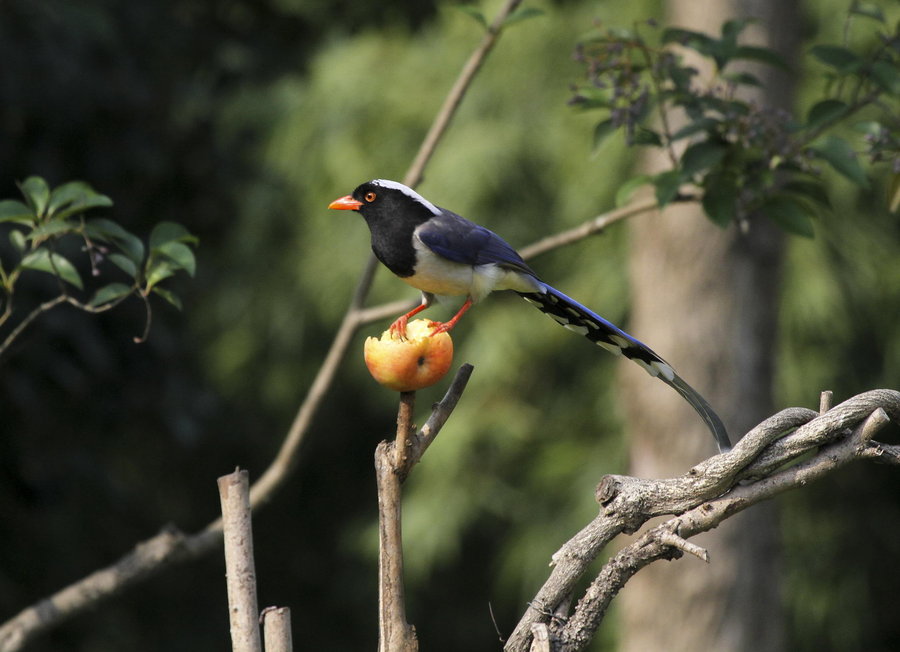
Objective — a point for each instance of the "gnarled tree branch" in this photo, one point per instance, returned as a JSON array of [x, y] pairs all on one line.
[[763, 464]]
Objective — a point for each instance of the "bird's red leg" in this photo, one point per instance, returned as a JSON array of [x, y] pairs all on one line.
[[447, 325], [398, 328]]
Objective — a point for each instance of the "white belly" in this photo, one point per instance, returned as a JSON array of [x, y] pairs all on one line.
[[443, 277]]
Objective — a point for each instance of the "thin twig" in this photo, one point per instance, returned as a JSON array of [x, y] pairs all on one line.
[[442, 121], [592, 226], [49, 305], [439, 415], [34, 314]]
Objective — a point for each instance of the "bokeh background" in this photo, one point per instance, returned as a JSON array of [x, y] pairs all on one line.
[[242, 119]]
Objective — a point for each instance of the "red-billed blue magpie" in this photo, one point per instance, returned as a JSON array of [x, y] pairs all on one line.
[[444, 254]]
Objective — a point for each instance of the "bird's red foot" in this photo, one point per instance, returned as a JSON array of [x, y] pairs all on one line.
[[441, 327], [398, 328]]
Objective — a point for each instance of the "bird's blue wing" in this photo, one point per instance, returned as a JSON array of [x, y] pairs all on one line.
[[457, 239]]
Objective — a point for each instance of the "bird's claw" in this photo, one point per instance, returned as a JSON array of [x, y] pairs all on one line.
[[440, 327], [398, 328]]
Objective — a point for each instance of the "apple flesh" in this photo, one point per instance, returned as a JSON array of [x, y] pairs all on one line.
[[406, 364]]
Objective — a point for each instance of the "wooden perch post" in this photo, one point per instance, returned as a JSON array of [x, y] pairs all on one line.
[[395, 634], [277, 629], [393, 462], [240, 572]]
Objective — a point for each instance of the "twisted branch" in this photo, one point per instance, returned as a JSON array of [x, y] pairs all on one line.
[[763, 464]]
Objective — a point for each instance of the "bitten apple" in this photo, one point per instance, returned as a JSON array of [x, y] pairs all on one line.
[[406, 365]]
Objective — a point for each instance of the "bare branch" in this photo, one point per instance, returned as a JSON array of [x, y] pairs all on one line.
[[29, 318], [672, 540], [761, 465], [457, 93], [588, 228], [439, 415], [148, 558]]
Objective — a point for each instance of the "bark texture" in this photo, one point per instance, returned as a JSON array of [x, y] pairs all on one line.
[[707, 301]]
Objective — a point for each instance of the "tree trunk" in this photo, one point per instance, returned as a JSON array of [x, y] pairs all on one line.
[[706, 300]]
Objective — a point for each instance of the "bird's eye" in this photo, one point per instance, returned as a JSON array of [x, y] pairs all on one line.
[[370, 197]]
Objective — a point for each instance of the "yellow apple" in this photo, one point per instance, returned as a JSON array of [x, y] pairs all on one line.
[[406, 364]]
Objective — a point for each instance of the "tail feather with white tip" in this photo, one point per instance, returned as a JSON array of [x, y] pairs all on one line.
[[578, 319]]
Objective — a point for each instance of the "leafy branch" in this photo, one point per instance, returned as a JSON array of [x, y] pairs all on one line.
[[743, 160], [41, 230]]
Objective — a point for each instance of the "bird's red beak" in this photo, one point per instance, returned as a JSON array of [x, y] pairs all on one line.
[[346, 203]]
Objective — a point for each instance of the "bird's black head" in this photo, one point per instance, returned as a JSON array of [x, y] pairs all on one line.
[[392, 211], [382, 202]]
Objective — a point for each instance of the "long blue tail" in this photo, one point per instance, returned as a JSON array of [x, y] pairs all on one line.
[[579, 319]]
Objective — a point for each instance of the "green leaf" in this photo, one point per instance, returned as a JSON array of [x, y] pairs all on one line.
[[720, 197], [168, 296], [838, 153], [626, 190], [791, 215], [702, 156], [688, 38], [36, 193], [54, 227], [520, 14], [731, 29], [667, 185], [839, 58], [75, 196], [41, 260], [762, 55], [811, 190], [159, 270], [602, 131], [179, 254], [109, 231], [644, 136], [589, 97], [867, 9], [110, 293], [170, 232], [887, 77], [708, 125], [15, 211], [824, 112], [473, 12], [17, 239], [124, 263]]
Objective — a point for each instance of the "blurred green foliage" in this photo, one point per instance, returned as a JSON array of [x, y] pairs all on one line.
[[242, 120]]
